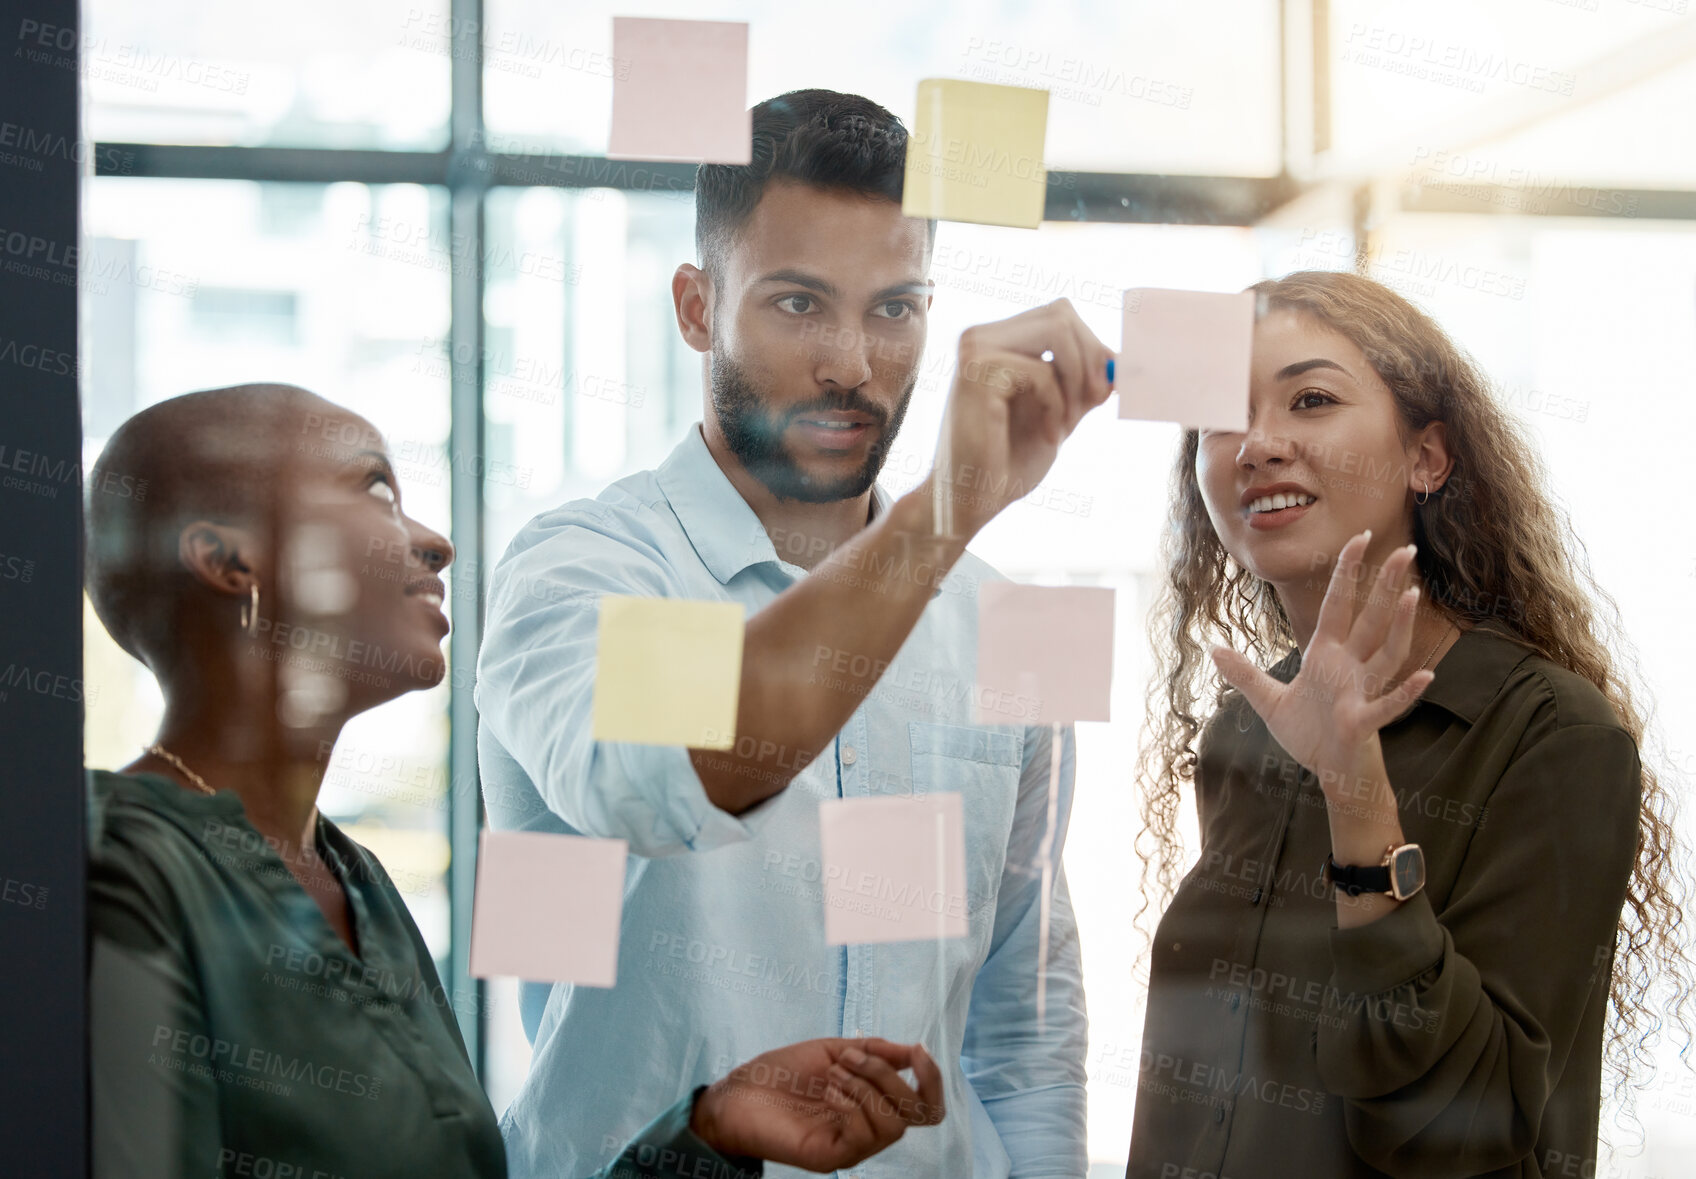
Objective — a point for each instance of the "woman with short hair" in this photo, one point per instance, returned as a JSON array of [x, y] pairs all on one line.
[[261, 1001]]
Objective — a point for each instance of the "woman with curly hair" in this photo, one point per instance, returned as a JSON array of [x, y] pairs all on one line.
[[1435, 880]]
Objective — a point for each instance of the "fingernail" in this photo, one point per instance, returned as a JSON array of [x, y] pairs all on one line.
[[1367, 534], [854, 1056]]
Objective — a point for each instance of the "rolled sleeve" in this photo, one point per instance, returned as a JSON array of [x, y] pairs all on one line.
[[1029, 1072], [535, 695]]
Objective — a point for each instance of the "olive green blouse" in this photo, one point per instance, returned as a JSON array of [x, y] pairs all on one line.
[[1458, 1035], [232, 1032]]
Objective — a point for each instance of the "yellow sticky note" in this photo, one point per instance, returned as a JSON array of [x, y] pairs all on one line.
[[668, 672], [975, 154]]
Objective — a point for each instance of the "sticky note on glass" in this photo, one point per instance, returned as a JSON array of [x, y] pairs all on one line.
[[894, 869], [975, 154], [668, 671], [680, 91], [1045, 654], [1185, 358], [548, 907]]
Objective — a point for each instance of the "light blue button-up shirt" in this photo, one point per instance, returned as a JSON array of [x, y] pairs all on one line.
[[722, 953]]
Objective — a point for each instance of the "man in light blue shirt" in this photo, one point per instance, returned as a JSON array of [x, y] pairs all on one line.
[[857, 681]]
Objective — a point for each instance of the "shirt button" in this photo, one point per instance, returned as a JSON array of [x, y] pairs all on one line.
[[1254, 897], [1236, 1001], [849, 757], [1218, 1113], [858, 1032]]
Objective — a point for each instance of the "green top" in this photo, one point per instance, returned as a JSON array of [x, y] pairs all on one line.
[[234, 1033], [1458, 1035]]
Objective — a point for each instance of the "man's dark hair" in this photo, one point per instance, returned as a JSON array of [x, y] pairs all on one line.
[[818, 137]]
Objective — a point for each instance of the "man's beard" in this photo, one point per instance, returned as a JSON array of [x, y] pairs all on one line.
[[756, 436]]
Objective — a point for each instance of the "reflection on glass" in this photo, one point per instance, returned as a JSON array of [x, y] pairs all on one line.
[[342, 289]]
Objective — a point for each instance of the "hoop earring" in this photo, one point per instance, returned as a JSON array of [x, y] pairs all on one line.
[[1427, 483], [250, 612]]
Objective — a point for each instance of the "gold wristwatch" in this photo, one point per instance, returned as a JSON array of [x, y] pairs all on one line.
[[1401, 873]]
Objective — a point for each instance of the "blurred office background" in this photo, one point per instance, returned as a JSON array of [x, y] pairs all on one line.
[[336, 195]]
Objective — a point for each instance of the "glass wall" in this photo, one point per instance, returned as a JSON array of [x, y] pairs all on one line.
[[1519, 170], [317, 74], [343, 289]]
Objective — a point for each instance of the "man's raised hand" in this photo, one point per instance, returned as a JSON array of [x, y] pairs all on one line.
[[1020, 388]]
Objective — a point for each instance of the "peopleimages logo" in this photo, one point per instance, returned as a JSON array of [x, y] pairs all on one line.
[[252, 1067], [45, 683]]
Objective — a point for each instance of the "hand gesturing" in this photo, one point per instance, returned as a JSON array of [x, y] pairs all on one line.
[[820, 1105], [1341, 696]]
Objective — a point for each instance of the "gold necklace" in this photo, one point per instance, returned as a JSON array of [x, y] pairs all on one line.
[[1439, 643], [1429, 657], [164, 754]]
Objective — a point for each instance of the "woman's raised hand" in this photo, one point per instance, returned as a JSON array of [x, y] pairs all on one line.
[[1342, 695]]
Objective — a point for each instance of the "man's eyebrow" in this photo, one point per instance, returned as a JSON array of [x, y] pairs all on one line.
[[828, 289], [1302, 366], [915, 287], [801, 278]]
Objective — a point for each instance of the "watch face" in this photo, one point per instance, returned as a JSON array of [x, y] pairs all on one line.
[[1408, 871]]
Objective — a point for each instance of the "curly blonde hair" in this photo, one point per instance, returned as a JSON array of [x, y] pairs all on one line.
[[1490, 537]]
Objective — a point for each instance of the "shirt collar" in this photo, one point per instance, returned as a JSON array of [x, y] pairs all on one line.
[[1468, 677], [185, 807], [725, 532]]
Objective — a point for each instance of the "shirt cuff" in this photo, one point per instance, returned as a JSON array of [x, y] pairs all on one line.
[[668, 1148], [1384, 954], [651, 796]]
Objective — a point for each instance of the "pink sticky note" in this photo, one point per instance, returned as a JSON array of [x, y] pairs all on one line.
[[548, 907], [1045, 653], [1185, 358], [680, 91], [894, 868]]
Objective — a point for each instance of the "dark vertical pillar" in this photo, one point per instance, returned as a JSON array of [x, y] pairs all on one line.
[[43, 1091]]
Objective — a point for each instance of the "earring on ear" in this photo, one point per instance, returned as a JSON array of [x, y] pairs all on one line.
[[1427, 483], [250, 612]]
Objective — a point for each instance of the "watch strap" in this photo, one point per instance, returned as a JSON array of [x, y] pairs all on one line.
[[1355, 880]]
